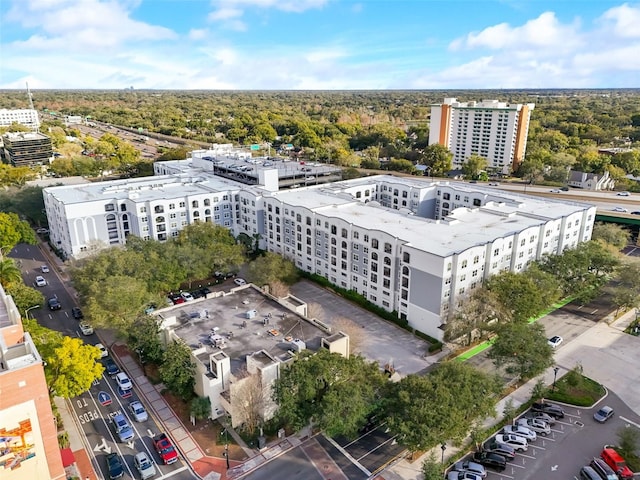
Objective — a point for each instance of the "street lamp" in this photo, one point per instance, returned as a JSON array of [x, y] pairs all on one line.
[[226, 446], [443, 447], [26, 312], [555, 375]]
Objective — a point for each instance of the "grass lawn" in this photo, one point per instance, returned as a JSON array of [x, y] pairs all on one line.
[[576, 389]]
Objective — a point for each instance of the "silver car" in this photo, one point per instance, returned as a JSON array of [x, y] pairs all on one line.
[[521, 431], [537, 425], [138, 412], [144, 465], [604, 414]]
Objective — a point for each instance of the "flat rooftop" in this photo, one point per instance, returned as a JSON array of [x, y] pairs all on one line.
[[225, 315]]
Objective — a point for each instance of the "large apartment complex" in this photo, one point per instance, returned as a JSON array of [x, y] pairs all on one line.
[[491, 129], [28, 434], [25, 116], [408, 245]]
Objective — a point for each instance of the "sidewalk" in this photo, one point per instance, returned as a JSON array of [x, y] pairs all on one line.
[[83, 467]]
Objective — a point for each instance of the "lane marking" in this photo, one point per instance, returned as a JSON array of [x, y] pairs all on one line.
[[629, 421]]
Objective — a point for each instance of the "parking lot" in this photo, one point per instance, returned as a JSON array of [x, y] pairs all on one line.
[[572, 443]]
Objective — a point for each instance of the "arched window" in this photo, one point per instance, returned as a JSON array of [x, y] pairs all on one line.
[[194, 204], [160, 220], [207, 202]]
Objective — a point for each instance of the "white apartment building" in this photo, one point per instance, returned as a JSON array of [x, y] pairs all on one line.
[[491, 129], [408, 245], [26, 116]]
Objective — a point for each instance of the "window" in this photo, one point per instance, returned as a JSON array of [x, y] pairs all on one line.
[[374, 243], [110, 207], [476, 259], [143, 209], [464, 264], [356, 235]]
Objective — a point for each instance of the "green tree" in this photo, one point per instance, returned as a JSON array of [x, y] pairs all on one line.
[[23, 296], [144, 338], [611, 233], [336, 393], [522, 349], [15, 176], [426, 410], [625, 290], [432, 469], [473, 166], [9, 272], [438, 158], [177, 371], [26, 202], [200, 408], [14, 231], [271, 267], [401, 165], [628, 445], [72, 367]]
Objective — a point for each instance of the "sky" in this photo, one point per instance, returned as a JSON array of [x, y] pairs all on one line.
[[319, 44]]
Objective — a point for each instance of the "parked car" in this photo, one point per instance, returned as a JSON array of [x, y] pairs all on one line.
[[507, 451], [77, 313], [85, 328], [144, 465], [616, 462], [518, 443], [544, 417], [44, 269], [455, 475], [604, 414], [524, 432], [176, 299], [111, 367], [492, 460], [114, 466], [602, 469], [239, 281], [549, 408], [555, 341], [122, 427], [40, 281], [103, 350], [588, 473], [468, 466], [124, 382], [187, 296], [539, 426], [54, 303], [138, 412]]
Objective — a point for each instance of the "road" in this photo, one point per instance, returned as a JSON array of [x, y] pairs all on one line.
[[93, 418]]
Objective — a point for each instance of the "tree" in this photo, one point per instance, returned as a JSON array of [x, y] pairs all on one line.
[[477, 311], [15, 176], [200, 408], [143, 337], [473, 166], [177, 371], [72, 367], [438, 158], [27, 202], [625, 290], [23, 296], [432, 469], [336, 393], [615, 235], [14, 231], [278, 289], [271, 267], [523, 349], [250, 399], [628, 443], [426, 410], [9, 272]]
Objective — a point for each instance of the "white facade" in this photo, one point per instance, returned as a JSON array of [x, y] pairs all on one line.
[[410, 246], [27, 117], [491, 129]]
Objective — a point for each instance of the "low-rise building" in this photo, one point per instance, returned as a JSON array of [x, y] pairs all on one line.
[[591, 181], [27, 149]]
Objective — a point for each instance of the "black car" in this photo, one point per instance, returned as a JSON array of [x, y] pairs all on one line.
[[549, 408], [54, 303], [114, 464], [505, 451], [111, 367], [489, 459], [77, 313]]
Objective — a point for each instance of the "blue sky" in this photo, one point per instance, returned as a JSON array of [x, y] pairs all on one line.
[[319, 44]]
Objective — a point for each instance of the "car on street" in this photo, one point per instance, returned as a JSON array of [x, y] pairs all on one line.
[[122, 428], [77, 313], [85, 328], [239, 281], [455, 475], [619, 209], [123, 381], [144, 465], [555, 190], [555, 341], [507, 451], [518, 443], [636, 212], [103, 350], [54, 304], [494, 184], [524, 432], [42, 231], [623, 194], [491, 460], [114, 466], [111, 367], [40, 281], [44, 269], [549, 408], [603, 414], [468, 466], [539, 426], [138, 412]]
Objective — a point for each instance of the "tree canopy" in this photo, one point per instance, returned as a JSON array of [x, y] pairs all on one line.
[[14, 231]]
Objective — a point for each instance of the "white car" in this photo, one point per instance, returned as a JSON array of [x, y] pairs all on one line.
[[619, 209], [44, 269], [124, 382], [555, 341], [539, 426], [40, 281], [85, 328], [555, 190], [239, 281], [514, 441], [103, 350], [186, 296], [144, 465], [138, 412], [520, 431], [623, 194]]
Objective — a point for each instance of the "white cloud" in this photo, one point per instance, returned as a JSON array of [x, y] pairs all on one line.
[[297, 6], [623, 21], [225, 14], [324, 55], [198, 33]]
